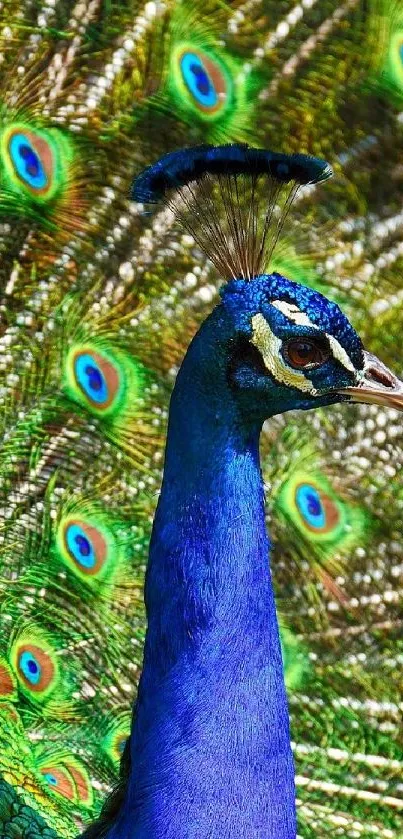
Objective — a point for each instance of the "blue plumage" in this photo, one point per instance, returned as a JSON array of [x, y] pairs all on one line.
[[210, 750]]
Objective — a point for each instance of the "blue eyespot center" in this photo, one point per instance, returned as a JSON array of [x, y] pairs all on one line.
[[201, 78], [310, 506], [80, 547], [83, 545], [51, 779], [197, 80], [314, 506], [27, 162], [94, 377], [30, 667], [32, 163], [91, 379], [401, 52]]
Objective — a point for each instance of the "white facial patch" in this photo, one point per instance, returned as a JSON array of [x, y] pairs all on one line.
[[294, 314], [340, 354], [269, 347]]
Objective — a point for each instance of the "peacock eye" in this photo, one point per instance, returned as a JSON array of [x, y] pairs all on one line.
[[306, 352]]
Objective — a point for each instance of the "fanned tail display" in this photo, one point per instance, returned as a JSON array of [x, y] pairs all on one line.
[[101, 293]]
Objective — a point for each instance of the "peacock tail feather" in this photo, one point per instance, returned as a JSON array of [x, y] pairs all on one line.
[[98, 302]]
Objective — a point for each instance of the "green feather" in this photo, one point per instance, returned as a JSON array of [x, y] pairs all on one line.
[[114, 741], [36, 166], [203, 82], [309, 503]]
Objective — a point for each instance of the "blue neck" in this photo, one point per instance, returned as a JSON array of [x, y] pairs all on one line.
[[210, 746]]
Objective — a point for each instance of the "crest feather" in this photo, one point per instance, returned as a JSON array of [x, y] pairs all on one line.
[[232, 199]]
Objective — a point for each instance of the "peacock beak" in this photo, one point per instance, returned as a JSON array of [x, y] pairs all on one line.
[[377, 385]]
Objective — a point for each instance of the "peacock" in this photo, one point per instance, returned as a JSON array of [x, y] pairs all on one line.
[[209, 752], [101, 296]]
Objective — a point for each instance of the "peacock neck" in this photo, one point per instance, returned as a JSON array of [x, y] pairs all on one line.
[[209, 550], [210, 751]]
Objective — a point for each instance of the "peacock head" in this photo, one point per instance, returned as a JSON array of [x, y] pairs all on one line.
[[293, 348], [278, 344]]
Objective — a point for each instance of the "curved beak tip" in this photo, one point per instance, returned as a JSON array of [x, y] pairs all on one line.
[[377, 386]]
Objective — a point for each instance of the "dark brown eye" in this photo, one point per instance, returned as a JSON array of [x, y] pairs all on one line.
[[304, 352]]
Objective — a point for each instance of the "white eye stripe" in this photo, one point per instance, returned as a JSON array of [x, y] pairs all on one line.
[[269, 347], [291, 311], [340, 354]]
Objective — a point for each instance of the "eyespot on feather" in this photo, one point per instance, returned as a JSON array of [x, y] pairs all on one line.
[[309, 502], [206, 85], [96, 377], [60, 781], [87, 544], [66, 776], [317, 511], [34, 662], [105, 380], [35, 667], [36, 162], [204, 79]]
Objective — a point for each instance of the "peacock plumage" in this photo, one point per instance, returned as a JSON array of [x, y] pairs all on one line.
[[99, 300]]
